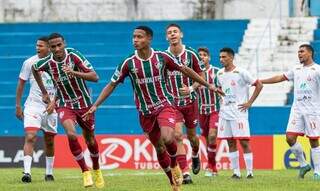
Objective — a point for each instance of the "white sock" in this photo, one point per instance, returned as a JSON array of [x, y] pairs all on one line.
[[234, 159], [27, 160], [296, 149], [315, 155], [49, 165], [248, 159]]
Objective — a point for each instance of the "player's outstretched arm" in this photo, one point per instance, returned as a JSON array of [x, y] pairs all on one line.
[[186, 90], [19, 92], [37, 77], [195, 77], [105, 93], [274, 79], [258, 87], [90, 76]]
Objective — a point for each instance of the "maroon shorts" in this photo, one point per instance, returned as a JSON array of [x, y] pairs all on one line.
[[151, 124], [188, 115], [207, 122], [75, 115]]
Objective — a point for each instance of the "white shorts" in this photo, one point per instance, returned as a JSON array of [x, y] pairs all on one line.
[[35, 119], [304, 124], [233, 129]]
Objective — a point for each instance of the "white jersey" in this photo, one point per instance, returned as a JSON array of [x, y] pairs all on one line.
[[235, 84], [35, 96], [306, 81]]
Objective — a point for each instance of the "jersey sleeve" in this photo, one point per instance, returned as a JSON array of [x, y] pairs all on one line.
[[247, 77], [198, 66], [82, 62], [25, 71], [42, 64], [121, 73], [289, 75], [171, 62]]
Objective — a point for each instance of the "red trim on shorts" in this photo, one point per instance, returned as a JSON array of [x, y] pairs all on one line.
[[50, 133], [222, 138], [235, 138], [285, 77], [317, 137], [32, 128], [295, 133]]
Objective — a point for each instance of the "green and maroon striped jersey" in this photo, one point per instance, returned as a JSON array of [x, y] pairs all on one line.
[[72, 92], [149, 80], [189, 57], [209, 100]]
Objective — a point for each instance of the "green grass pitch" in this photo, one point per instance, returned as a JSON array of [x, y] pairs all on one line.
[[152, 180]]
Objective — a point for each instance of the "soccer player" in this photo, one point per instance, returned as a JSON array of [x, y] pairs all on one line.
[[186, 104], [147, 69], [233, 122], [208, 111], [35, 115], [305, 115], [69, 69]]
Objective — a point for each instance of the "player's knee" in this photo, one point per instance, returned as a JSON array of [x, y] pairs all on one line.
[[160, 148], [178, 136], [290, 140], [212, 139], [31, 138]]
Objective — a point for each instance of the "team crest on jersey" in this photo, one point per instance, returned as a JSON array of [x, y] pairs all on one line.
[[233, 83], [61, 114], [186, 62], [309, 78], [171, 120], [159, 65], [134, 70]]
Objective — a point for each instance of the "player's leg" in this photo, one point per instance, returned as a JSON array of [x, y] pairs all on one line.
[[242, 132], [30, 139], [166, 122], [212, 142], [89, 136], [49, 151], [49, 127], [248, 156], [234, 158], [295, 128], [190, 114], [32, 123], [182, 154], [68, 118], [313, 133]]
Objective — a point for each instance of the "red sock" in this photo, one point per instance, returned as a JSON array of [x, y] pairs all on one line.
[[182, 161], [164, 161], [76, 150], [172, 150], [94, 154], [212, 156]]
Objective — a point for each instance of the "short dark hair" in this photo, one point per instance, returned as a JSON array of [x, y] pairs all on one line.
[[227, 50], [55, 35], [308, 47], [43, 38], [146, 29], [174, 25], [204, 49]]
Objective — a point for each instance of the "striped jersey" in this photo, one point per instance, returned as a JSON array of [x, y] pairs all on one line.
[[188, 57], [72, 92], [208, 100], [149, 80]]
